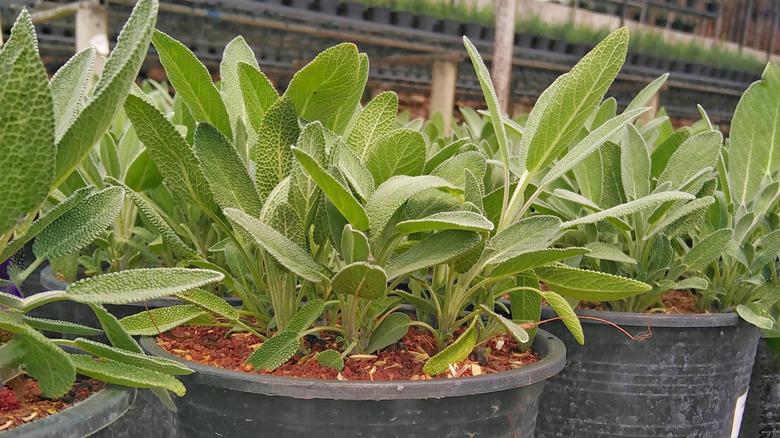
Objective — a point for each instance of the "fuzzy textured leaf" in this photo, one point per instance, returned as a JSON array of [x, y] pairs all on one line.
[[564, 310], [399, 152], [290, 255], [361, 279], [331, 359], [389, 331], [192, 82], [140, 360], [447, 220], [630, 207], [586, 285], [27, 120], [79, 226], [119, 73], [137, 285], [433, 250], [118, 373], [156, 321], [271, 153], [454, 353], [376, 120], [226, 173]]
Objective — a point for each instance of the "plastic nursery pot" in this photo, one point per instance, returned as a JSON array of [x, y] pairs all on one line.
[[327, 6], [558, 46], [98, 416], [473, 30], [523, 40], [449, 27], [402, 18], [352, 10], [298, 4], [762, 411], [379, 15], [425, 23], [690, 379], [235, 404]]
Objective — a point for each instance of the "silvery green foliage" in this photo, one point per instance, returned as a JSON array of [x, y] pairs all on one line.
[[668, 180], [745, 277], [48, 130]]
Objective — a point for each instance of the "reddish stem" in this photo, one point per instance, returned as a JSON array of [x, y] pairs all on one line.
[[640, 337]]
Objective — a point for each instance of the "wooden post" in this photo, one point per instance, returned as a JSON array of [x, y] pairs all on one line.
[[770, 47], [443, 78], [746, 25], [92, 30], [502, 50]]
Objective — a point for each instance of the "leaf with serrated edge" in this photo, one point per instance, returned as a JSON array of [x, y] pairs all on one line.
[[389, 331], [173, 156], [529, 260], [69, 88], [590, 143], [574, 97], [376, 120], [331, 359], [139, 284], [606, 251], [361, 279], [192, 82], [42, 359], [529, 234], [44, 221], [448, 220], [257, 92], [290, 255], [225, 172], [156, 321], [236, 51], [707, 249], [589, 285], [630, 207], [755, 137], [454, 353], [27, 120], [80, 225], [399, 152], [324, 85], [119, 73], [140, 360], [339, 195], [67, 327], [119, 373], [210, 302], [519, 333], [434, 250], [564, 310], [393, 193], [271, 152]]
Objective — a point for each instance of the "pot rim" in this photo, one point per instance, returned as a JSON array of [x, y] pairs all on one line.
[[83, 418], [697, 320], [551, 349]]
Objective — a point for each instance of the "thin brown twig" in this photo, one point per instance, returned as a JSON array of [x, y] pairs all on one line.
[[638, 338]]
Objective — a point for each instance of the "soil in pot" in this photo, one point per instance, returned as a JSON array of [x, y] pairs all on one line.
[[21, 401], [499, 405], [217, 347], [681, 375]]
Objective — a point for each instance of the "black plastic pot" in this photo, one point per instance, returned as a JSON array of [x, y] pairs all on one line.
[[558, 46], [473, 30], [327, 6], [234, 404], [762, 412], [690, 379], [523, 40], [489, 34], [541, 43], [352, 10], [298, 4], [97, 416], [402, 18], [425, 23], [379, 15], [449, 27]]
